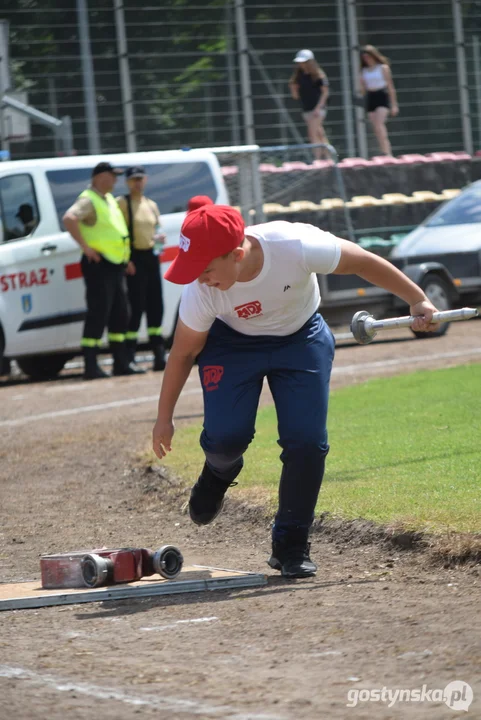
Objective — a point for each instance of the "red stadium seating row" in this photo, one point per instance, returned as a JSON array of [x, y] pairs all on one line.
[[382, 160]]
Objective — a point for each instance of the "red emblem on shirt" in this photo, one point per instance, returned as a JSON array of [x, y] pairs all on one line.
[[248, 310], [211, 376]]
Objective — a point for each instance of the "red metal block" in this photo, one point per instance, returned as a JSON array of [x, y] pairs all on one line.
[[104, 566]]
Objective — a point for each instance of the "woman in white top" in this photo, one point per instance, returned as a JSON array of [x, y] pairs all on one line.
[[380, 94]]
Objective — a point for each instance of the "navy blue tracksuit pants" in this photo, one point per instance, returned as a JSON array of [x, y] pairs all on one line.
[[232, 368]]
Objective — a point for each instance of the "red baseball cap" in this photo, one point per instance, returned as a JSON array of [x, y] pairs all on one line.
[[198, 201], [206, 234]]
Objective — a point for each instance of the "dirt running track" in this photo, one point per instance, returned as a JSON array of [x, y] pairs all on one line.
[[72, 475]]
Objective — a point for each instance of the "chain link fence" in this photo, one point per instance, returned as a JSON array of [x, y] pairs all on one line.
[[167, 75], [284, 182]]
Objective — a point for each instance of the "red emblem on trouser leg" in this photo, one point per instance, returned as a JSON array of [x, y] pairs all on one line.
[[211, 376]]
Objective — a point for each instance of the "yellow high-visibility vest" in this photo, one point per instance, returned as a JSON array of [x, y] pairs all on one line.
[[110, 235]]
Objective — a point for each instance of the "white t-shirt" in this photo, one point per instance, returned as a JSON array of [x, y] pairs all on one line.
[[285, 293]]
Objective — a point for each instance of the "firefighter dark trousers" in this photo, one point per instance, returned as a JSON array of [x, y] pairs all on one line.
[[107, 304], [232, 368], [145, 294]]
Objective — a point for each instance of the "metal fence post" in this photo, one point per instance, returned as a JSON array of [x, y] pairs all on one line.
[[125, 84], [4, 83], [477, 83], [250, 137], [462, 75], [356, 69], [231, 75], [246, 92], [342, 191], [245, 186], [88, 79], [345, 80]]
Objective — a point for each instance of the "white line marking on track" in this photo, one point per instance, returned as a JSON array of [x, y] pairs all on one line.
[[81, 386], [339, 369], [324, 654], [402, 361], [90, 408], [156, 628], [158, 702]]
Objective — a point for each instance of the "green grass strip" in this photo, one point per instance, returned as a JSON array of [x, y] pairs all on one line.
[[404, 450]]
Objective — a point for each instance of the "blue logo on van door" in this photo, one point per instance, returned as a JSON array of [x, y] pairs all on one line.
[[27, 303]]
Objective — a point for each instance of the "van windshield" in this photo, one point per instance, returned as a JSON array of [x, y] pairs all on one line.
[[461, 210], [171, 185]]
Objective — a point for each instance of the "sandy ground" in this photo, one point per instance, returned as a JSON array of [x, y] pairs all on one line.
[[73, 475]]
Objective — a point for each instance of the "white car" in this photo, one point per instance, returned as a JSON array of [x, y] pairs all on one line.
[[42, 293]]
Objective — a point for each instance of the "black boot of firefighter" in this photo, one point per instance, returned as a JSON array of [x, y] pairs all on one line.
[[92, 370], [158, 348], [130, 348], [122, 363]]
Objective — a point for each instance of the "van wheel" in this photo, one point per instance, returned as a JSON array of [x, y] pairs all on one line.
[[42, 367], [438, 291]]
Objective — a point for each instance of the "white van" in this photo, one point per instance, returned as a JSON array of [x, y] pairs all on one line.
[[42, 295]]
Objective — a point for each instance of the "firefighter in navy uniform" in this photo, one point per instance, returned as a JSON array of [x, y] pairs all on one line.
[[98, 226], [142, 216]]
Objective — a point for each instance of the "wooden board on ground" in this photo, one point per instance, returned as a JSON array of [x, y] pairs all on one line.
[[196, 578]]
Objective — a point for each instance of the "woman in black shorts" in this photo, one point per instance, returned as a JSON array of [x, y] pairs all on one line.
[[310, 86], [380, 94]]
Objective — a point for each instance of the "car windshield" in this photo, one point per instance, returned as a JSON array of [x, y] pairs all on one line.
[[462, 210]]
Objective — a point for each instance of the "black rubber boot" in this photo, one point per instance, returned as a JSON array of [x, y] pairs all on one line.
[[92, 370], [207, 497], [290, 555], [130, 348], [158, 348], [122, 364]]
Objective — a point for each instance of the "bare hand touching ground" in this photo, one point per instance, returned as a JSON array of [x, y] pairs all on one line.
[[162, 435]]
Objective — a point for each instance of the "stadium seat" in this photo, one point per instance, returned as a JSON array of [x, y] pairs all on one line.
[[267, 167], [354, 162], [427, 196], [331, 203], [397, 199], [289, 166], [414, 158], [450, 193], [364, 201], [396, 238], [385, 160], [302, 205], [374, 241], [273, 208], [448, 156], [320, 164]]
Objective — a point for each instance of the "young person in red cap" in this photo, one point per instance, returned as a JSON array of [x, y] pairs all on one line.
[[249, 311]]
